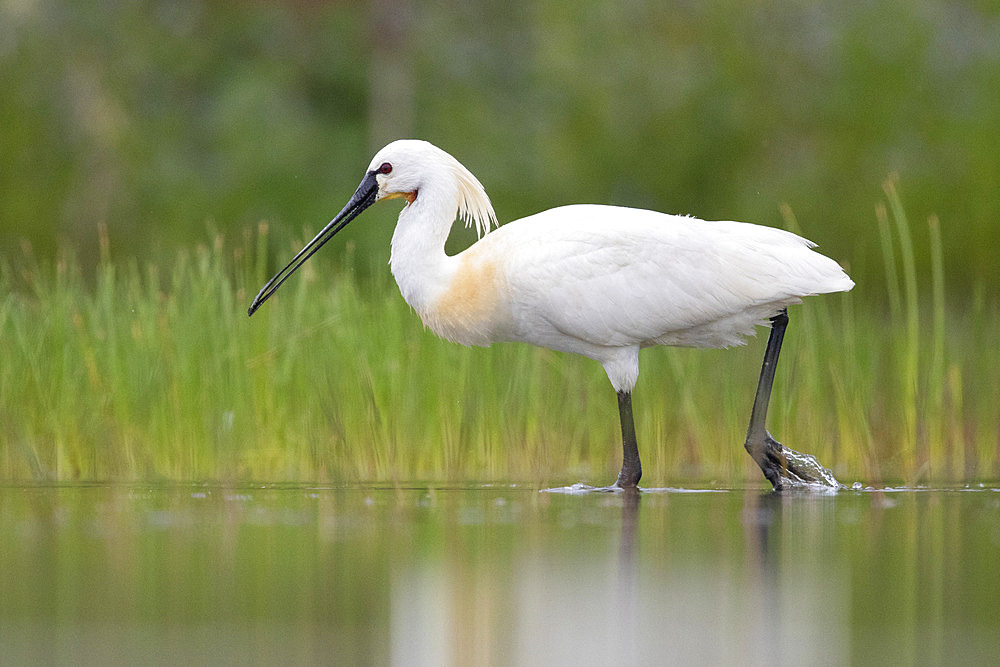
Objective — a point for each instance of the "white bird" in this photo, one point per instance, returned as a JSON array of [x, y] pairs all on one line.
[[601, 281]]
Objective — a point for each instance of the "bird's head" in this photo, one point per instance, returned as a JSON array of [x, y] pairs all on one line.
[[400, 170], [405, 167]]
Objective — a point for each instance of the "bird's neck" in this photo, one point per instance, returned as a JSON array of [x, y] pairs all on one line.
[[417, 258]]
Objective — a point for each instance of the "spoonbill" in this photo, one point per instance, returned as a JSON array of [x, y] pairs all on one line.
[[600, 281]]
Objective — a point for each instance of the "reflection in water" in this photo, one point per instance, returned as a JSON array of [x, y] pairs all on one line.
[[795, 586], [584, 589], [545, 605], [532, 608], [495, 575], [628, 575]]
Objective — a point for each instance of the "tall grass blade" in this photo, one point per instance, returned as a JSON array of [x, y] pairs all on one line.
[[916, 456]]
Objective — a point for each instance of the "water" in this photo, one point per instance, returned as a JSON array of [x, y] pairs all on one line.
[[497, 575]]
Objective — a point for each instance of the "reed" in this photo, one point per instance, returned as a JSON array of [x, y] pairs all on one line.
[[155, 373]]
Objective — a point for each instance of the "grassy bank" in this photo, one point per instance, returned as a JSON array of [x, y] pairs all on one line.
[[150, 373]]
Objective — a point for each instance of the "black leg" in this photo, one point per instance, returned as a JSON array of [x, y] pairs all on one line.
[[758, 417], [628, 478], [781, 466]]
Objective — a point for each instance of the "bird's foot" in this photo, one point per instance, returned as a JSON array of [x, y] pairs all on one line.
[[786, 468]]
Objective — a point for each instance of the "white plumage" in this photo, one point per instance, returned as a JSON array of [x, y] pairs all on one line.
[[600, 281]]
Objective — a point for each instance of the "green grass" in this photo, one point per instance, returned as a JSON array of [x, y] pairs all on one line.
[[155, 373]]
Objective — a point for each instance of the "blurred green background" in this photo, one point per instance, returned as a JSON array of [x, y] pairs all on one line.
[[161, 118]]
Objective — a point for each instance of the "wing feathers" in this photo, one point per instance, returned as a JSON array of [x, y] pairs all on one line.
[[613, 276]]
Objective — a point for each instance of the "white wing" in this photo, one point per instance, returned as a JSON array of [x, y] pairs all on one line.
[[613, 276]]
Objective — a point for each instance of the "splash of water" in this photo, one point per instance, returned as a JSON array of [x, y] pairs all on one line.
[[804, 471]]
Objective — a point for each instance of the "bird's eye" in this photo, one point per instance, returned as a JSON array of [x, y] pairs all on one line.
[[385, 168]]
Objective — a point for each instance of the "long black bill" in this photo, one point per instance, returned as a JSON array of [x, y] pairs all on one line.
[[362, 198]]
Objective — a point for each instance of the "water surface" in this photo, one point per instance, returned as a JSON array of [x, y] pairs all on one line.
[[496, 575]]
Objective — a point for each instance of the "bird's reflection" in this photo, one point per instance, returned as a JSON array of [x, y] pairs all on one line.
[[630, 517], [628, 575], [761, 518]]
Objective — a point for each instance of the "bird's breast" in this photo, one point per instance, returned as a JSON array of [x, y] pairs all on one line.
[[471, 308]]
